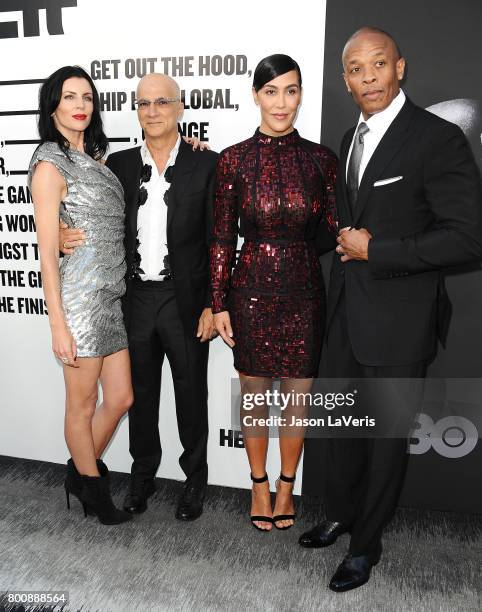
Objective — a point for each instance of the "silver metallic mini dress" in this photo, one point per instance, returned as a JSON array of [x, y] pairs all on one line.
[[92, 278]]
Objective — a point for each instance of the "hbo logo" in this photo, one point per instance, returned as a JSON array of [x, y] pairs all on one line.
[[451, 437]]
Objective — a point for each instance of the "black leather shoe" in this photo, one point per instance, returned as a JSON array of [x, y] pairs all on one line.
[[354, 571], [190, 506], [135, 501], [324, 534]]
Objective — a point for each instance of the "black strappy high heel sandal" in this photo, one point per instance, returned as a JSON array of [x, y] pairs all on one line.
[[284, 517], [265, 519]]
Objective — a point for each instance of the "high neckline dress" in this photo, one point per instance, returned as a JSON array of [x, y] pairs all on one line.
[[278, 193]]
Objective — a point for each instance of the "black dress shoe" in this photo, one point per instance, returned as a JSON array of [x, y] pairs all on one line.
[[135, 501], [354, 571], [190, 506], [322, 535]]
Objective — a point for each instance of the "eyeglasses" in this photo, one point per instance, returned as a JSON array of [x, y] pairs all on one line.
[[158, 103]]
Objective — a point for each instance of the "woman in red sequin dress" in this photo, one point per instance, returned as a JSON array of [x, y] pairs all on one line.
[[279, 188]]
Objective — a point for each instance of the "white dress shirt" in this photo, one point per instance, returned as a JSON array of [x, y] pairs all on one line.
[[378, 125], [152, 218]]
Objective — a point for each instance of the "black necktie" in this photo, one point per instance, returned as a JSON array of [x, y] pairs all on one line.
[[354, 165]]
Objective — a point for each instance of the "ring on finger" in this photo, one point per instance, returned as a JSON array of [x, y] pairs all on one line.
[[64, 360], [65, 245]]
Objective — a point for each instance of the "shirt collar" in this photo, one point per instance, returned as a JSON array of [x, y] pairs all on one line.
[[147, 157], [379, 122]]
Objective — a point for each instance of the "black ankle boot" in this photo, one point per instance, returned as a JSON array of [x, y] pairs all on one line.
[[73, 480], [96, 499]]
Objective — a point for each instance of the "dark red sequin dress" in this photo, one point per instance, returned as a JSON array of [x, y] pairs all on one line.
[[281, 191]]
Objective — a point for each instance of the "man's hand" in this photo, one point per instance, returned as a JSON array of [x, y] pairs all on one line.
[[69, 239], [196, 143], [205, 328], [223, 327], [353, 244]]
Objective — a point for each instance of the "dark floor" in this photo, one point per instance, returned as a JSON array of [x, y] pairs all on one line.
[[219, 562]]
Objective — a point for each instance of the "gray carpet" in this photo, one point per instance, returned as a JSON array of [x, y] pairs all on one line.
[[219, 562]]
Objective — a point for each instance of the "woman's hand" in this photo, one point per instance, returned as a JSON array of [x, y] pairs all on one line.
[[63, 345], [196, 143], [222, 323]]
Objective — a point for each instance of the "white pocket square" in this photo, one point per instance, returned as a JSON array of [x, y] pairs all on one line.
[[387, 181]]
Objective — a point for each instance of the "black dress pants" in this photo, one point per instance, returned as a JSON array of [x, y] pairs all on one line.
[[156, 330], [364, 475]]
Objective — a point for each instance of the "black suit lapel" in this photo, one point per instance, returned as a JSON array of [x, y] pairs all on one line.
[[132, 204], [186, 162], [344, 208], [393, 139]]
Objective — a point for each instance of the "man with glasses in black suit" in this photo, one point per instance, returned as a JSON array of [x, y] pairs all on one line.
[[168, 190]]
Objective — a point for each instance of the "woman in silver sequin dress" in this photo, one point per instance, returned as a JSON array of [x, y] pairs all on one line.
[[68, 180]]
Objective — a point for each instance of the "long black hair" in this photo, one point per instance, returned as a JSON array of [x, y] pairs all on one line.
[[274, 66], [95, 141]]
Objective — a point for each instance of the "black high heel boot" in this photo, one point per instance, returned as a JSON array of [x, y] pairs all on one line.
[[73, 480], [284, 517], [96, 499]]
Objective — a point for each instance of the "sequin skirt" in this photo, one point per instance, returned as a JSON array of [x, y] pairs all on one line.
[[277, 336]]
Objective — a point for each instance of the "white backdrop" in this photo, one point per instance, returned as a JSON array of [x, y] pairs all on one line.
[[117, 42]]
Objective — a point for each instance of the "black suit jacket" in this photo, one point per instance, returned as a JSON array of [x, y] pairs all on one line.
[[189, 226], [426, 221]]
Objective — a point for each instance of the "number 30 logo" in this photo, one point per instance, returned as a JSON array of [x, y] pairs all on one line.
[[451, 437]]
